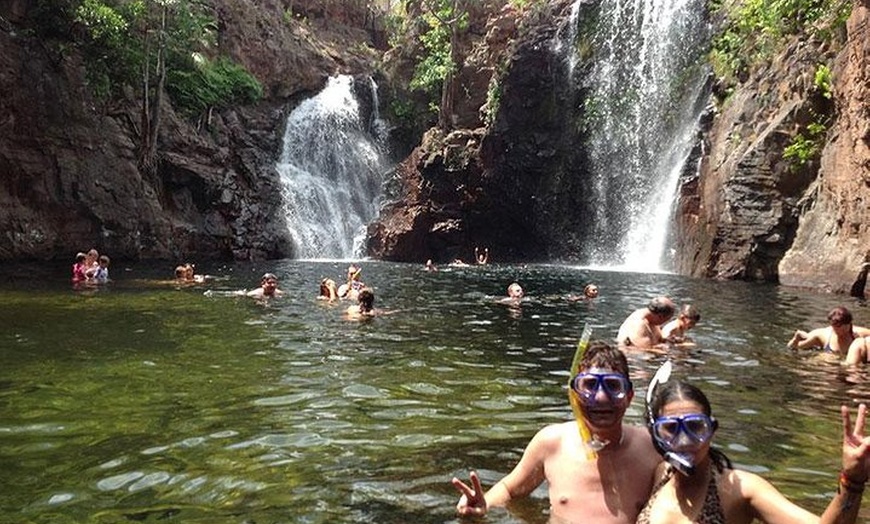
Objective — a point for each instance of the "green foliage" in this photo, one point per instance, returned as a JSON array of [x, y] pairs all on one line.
[[119, 40], [823, 80], [806, 147], [105, 25], [755, 29], [436, 64], [523, 4], [440, 21], [493, 100], [208, 83]]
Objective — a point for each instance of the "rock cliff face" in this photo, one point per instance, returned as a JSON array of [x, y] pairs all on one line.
[[833, 238], [752, 214], [68, 163], [508, 185]]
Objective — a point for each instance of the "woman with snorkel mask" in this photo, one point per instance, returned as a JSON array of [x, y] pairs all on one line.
[[697, 483]]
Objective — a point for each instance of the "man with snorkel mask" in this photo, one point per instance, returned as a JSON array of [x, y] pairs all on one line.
[[597, 469]]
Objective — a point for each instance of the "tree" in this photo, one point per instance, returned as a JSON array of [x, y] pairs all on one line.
[[446, 20]]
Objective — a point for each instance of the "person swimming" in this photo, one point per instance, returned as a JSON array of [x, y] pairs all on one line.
[[835, 338]]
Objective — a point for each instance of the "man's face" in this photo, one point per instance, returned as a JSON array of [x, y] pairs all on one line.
[[604, 395], [269, 286]]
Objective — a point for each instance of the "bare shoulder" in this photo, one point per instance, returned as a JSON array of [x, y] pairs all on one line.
[[744, 484], [861, 331]]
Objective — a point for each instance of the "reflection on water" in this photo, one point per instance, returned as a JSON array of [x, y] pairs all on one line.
[[144, 401]]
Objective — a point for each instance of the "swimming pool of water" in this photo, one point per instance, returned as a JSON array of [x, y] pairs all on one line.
[[145, 401]]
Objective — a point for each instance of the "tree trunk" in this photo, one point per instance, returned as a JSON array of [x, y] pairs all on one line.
[[151, 108]]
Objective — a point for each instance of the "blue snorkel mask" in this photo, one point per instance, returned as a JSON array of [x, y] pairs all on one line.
[[682, 462]]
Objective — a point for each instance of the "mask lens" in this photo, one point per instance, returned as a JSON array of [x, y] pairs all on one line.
[[585, 385], [667, 429], [615, 385], [698, 426]]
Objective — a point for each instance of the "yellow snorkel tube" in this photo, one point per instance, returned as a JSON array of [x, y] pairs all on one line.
[[585, 434]]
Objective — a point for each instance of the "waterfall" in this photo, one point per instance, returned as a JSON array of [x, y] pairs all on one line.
[[331, 170], [644, 95]]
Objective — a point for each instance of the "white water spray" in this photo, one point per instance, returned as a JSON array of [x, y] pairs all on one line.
[[331, 172], [642, 114]]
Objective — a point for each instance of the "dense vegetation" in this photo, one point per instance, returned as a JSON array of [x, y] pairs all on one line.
[[755, 30], [126, 42]]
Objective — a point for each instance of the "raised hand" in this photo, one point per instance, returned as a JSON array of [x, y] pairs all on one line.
[[472, 501], [856, 446]]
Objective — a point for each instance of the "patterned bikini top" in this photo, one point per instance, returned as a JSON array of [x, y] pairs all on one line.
[[711, 512]]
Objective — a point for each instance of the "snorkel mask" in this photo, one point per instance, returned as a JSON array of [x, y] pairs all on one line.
[[682, 462], [583, 388]]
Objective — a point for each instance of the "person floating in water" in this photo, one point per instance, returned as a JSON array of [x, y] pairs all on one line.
[[101, 275], [699, 484], [642, 329], [481, 256], [354, 285], [590, 292], [675, 330], [185, 273], [78, 268], [430, 266], [328, 290], [365, 307], [268, 287], [835, 338], [515, 294]]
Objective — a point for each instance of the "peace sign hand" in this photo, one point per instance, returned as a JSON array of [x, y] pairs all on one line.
[[856, 446], [472, 501]]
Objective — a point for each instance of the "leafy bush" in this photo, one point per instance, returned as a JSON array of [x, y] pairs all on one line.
[[755, 29], [824, 82], [119, 40], [211, 83]]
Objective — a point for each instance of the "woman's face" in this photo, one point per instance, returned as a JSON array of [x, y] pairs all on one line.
[[684, 428]]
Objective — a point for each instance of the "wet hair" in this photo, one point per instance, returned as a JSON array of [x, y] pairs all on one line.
[[366, 299], [840, 316], [691, 312], [80, 257], [600, 354], [104, 259], [661, 306], [325, 286], [673, 391], [269, 276]]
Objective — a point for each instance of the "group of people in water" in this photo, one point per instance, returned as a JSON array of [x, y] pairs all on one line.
[[354, 290], [90, 268], [600, 470]]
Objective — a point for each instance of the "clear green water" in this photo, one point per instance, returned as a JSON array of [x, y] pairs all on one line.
[[143, 402]]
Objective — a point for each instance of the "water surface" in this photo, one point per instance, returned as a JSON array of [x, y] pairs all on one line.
[[143, 401]]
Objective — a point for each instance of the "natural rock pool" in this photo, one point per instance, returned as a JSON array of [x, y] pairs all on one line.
[[145, 401]]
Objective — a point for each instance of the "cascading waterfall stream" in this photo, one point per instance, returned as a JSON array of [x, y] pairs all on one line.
[[331, 171], [645, 97]]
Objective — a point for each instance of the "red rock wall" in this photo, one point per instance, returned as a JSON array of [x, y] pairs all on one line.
[[833, 239]]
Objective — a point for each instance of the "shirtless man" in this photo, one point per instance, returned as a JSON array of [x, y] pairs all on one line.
[[643, 328], [609, 487], [268, 287], [515, 294]]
